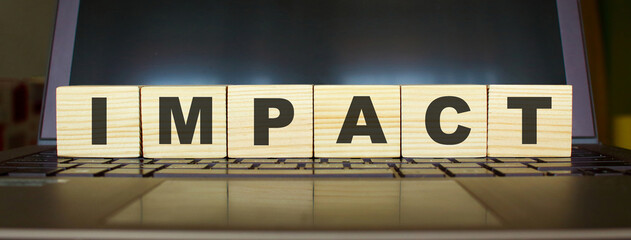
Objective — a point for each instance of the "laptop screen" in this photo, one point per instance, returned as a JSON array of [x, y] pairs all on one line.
[[147, 42]]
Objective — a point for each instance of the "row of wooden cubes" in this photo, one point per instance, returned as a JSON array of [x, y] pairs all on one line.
[[132, 122]]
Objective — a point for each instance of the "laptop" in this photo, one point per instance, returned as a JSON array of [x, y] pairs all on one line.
[[318, 42]]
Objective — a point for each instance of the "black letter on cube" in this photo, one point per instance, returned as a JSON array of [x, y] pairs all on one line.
[[201, 106], [372, 128], [262, 122], [529, 106], [432, 120], [99, 121]]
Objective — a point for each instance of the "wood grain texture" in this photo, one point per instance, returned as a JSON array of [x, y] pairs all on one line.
[[152, 148], [74, 121], [331, 105], [294, 140], [416, 142], [554, 126]]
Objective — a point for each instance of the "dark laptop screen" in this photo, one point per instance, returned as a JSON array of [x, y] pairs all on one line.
[[317, 42]]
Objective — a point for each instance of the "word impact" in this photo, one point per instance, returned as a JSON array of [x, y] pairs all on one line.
[[304, 121]]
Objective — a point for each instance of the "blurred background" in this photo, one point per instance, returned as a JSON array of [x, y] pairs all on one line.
[[26, 29]]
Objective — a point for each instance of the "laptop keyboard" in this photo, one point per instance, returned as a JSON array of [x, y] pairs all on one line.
[[582, 163]]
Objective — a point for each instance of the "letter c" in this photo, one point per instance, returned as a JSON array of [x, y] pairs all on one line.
[[432, 120]]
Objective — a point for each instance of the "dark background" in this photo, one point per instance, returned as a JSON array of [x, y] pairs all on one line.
[[317, 42], [26, 28]]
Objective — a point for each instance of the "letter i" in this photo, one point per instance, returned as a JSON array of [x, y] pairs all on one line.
[[99, 121]]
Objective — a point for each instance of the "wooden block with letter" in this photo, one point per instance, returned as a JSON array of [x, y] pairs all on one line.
[[184, 121], [357, 121], [98, 121], [443, 120], [530, 121], [270, 121]]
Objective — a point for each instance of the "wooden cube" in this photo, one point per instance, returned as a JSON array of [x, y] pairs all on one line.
[[530, 121], [443, 120], [357, 121], [98, 121], [167, 130], [270, 121]]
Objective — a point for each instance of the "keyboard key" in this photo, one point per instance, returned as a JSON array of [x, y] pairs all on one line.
[[506, 165], [518, 160], [431, 160], [595, 160], [209, 161], [345, 160], [130, 161], [64, 160], [554, 160], [128, 172], [91, 165], [48, 153], [422, 172], [146, 166], [239, 165], [416, 166], [39, 159], [353, 173], [188, 166], [325, 166], [584, 153], [574, 172], [66, 165], [219, 166], [38, 155], [30, 165], [173, 161], [474, 160], [385, 160], [269, 173], [406, 160], [279, 166], [34, 172], [592, 158], [509, 172], [594, 172], [569, 165], [218, 161], [35, 158], [460, 165], [81, 172], [370, 166], [194, 173], [470, 172], [551, 166], [620, 165], [91, 160], [259, 160], [298, 160]]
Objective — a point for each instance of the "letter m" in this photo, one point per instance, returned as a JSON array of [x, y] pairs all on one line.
[[200, 107]]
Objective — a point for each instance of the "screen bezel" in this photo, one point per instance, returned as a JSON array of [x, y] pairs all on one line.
[[572, 41]]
